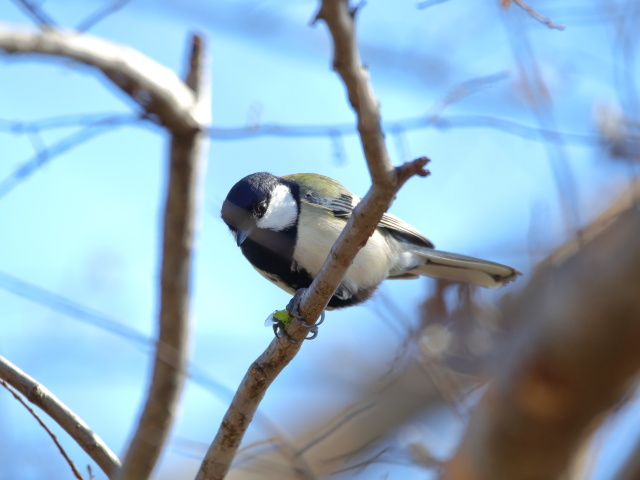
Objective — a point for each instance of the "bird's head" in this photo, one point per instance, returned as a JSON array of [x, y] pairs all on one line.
[[260, 201]]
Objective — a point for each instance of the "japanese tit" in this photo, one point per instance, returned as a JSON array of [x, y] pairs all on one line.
[[286, 226]]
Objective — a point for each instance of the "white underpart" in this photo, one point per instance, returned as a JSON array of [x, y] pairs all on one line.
[[317, 234], [282, 210]]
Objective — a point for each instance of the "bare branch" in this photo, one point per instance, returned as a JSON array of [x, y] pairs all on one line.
[[37, 394], [386, 180], [386, 183], [101, 14], [75, 471], [63, 121], [574, 360], [39, 16], [541, 18], [45, 155], [186, 164], [156, 88]]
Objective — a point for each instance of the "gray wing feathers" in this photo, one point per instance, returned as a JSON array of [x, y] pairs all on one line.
[[461, 268]]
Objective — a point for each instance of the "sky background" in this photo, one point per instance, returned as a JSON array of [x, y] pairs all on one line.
[[79, 237]]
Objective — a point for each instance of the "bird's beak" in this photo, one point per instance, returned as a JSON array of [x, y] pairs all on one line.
[[241, 236]]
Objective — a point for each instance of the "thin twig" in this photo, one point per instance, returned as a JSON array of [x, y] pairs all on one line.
[[342, 419], [64, 121], [540, 18], [331, 131], [429, 3], [386, 182], [38, 15], [75, 471], [58, 411], [101, 14], [186, 164], [534, 82], [47, 154]]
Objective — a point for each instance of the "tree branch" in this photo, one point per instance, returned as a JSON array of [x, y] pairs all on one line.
[[101, 14], [540, 18], [37, 394], [574, 360], [156, 88], [38, 15], [186, 164], [386, 182], [66, 457]]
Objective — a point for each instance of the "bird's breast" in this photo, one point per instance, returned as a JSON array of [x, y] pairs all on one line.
[[318, 230]]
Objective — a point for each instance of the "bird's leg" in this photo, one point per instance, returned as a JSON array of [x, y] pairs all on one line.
[[293, 309]]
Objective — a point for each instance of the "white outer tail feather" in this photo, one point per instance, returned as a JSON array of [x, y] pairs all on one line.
[[461, 268]]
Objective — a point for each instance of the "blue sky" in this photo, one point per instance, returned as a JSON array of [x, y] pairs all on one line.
[[85, 226]]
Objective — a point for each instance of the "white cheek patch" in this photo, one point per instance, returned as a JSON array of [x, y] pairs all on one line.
[[282, 211]]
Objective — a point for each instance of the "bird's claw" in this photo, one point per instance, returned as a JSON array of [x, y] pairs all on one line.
[[293, 309], [280, 331]]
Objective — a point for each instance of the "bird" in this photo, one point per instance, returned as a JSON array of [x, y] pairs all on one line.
[[286, 225]]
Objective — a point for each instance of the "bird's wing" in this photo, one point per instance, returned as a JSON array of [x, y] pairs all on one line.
[[402, 231], [332, 195]]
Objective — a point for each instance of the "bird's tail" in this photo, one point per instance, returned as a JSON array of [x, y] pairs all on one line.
[[461, 268]]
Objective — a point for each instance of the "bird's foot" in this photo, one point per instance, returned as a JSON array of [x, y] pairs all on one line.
[[280, 331], [293, 309]]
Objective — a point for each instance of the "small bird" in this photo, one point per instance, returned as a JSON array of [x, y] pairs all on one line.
[[286, 226]]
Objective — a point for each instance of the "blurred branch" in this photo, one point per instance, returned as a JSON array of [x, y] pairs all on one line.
[[575, 358], [184, 108], [386, 183], [540, 18], [37, 394], [186, 165], [538, 94], [46, 154], [429, 3], [39, 16], [75, 471], [101, 14], [156, 88], [427, 120]]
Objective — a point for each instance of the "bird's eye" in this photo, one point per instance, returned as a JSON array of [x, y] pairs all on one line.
[[260, 209]]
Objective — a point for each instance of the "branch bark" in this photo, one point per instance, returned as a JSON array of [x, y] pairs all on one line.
[[37, 394], [386, 183], [187, 160], [576, 359], [184, 108]]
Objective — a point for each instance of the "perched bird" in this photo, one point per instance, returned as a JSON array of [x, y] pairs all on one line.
[[286, 226]]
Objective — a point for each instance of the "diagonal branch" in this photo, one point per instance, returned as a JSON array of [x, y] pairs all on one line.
[[156, 88], [540, 18], [37, 14], [53, 437], [186, 164], [101, 14], [386, 182], [575, 360], [37, 394]]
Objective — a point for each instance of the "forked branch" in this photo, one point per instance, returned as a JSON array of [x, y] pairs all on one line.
[[386, 183], [77, 429]]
